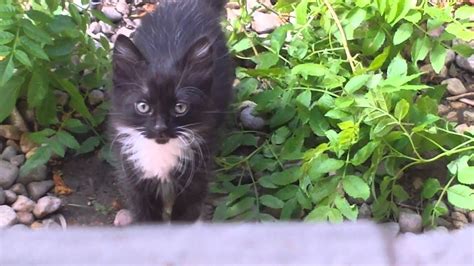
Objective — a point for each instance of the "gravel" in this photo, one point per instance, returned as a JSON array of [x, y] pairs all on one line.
[[454, 86], [8, 174], [37, 189], [10, 197], [8, 153], [23, 204], [37, 174], [410, 222], [46, 206], [2, 196], [7, 216], [10, 132], [19, 189], [26, 218]]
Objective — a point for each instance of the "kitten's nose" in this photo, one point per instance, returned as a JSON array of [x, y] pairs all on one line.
[[160, 127]]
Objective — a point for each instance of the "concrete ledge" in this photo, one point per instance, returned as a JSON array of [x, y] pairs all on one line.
[[279, 243]]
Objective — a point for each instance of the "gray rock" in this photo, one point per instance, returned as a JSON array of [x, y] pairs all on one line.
[[106, 28], [453, 71], [459, 216], [452, 116], [10, 132], [61, 97], [471, 216], [8, 153], [10, 197], [3, 197], [468, 116], [410, 222], [465, 63], [35, 175], [122, 31], [265, 22], [391, 228], [7, 216], [364, 211], [443, 222], [122, 7], [46, 206], [19, 189], [8, 174], [95, 27], [95, 97], [23, 204], [450, 57], [26, 218], [17, 160], [443, 109], [454, 86], [51, 224], [248, 118], [111, 13], [38, 189], [462, 128]]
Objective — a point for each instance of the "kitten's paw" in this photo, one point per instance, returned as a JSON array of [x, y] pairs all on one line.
[[123, 218]]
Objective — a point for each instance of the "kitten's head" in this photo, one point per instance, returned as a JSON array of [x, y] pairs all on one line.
[[162, 98]]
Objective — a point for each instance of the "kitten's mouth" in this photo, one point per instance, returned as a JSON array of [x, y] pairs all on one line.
[[162, 140]]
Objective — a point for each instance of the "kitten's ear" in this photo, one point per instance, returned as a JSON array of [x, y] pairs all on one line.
[[199, 57], [125, 55]]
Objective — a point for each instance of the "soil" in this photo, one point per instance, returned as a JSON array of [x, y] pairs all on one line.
[[95, 198]]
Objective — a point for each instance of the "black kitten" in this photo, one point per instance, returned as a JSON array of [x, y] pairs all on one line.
[[172, 85]]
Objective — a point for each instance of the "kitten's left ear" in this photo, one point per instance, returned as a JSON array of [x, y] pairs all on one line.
[[199, 58]]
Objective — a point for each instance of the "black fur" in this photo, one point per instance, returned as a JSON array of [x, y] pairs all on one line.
[[179, 53]]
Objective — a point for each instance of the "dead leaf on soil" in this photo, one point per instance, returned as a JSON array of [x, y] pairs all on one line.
[[60, 188]]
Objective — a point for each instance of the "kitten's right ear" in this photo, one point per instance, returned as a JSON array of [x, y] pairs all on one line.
[[126, 54]]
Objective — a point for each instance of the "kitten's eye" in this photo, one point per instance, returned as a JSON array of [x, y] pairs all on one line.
[[142, 108], [181, 108]]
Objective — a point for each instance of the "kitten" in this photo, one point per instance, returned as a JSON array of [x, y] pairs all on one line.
[[172, 85]]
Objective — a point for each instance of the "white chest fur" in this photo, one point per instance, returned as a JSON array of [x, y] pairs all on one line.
[[152, 159]]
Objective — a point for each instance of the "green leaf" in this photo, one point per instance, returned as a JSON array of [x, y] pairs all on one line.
[[75, 126], [242, 45], [356, 187], [271, 202], [286, 177], [350, 212], [231, 143], [9, 94], [301, 12], [430, 188], [68, 140], [22, 57], [6, 70], [304, 98], [6, 37], [355, 83], [420, 49], [56, 146], [400, 193], [89, 145], [37, 88], [318, 123], [40, 157], [33, 48], [464, 12], [99, 15], [240, 207], [461, 196], [437, 57], [373, 42], [7, 11], [46, 113], [401, 109], [280, 135], [460, 31], [319, 214], [403, 33], [364, 153], [398, 67], [309, 69], [35, 33], [380, 59], [77, 101], [461, 168], [282, 116]]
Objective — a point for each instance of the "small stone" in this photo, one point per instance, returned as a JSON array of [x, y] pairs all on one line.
[[467, 101], [122, 31], [46, 206], [443, 109], [8, 153], [122, 7], [461, 210], [364, 211], [7, 216], [10, 132], [111, 13], [38, 189], [410, 222], [19, 189], [450, 57], [18, 160], [453, 71], [37, 174], [452, 116], [441, 229], [123, 218], [465, 63], [61, 97], [95, 27], [457, 105], [25, 218], [471, 217], [51, 224], [436, 32], [454, 86], [96, 97], [462, 128], [13, 144], [459, 216], [8, 174], [23, 204], [468, 116], [10, 197], [458, 224], [3, 197], [248, 118], [417, 183], [265, 22], [26, 144], [443, 73], [391, 228], [36, 225], [106, 28], [443, 222]]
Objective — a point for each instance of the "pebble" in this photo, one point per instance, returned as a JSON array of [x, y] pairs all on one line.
[[111, 13], [46, 205], [26, 144], [443, 109], [471, 216], [95, 27], [452, 116], [7, 216], [454, 86], [36, 225], [3, 197], [51, 224], [410, 222], [450, 57], [10, 197], [123, 218], [392, 228], [468, 116], [453, 71], [122, 7], [38, 189], [61, 97], [248, 118], [8, 174], [462, 128], [265, 22], [443, 222], [122, 31], [364, 211], [458, 224], [95, 97], [25, 218], [37, 174], [19, 189], [465, 63], [13, 144], [457, 105], [23, 204], [8, 153], [106, 28], [459, 216], [18, 160], [10, 132]]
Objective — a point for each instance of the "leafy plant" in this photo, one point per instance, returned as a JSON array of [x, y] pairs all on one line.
[[44, 48], [347, 112]]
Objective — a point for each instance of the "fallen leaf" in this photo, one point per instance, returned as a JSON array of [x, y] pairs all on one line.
[[60, 188]]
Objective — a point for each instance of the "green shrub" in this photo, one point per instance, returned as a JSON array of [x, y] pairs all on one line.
[[44, 47], [347, 114]]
